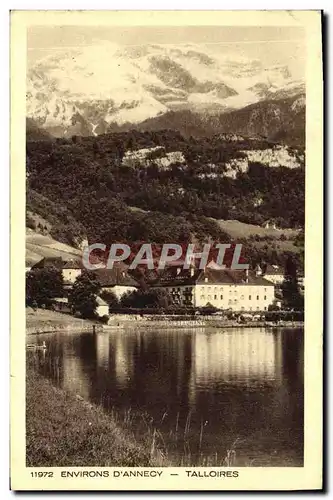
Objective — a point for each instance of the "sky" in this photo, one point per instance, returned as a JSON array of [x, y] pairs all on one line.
[[271, 45]]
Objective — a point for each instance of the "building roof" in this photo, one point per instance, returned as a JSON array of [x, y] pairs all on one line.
[[174, 276], [271, 269], [101, 302], [114, 277], [56, 262], [59, 263], [73, 264], [232, 277], [181, 277]]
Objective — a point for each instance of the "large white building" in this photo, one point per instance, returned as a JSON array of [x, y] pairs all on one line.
[[223, 289]]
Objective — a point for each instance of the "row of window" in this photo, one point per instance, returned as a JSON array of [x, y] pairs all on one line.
[[209, 289], [221, 289], [250, 308], [209, 297], [186, 289]]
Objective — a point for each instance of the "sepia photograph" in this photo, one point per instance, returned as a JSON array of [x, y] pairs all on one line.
[[165, 263]]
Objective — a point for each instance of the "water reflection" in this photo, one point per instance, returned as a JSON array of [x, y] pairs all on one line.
[[243, 358], [243, 383]]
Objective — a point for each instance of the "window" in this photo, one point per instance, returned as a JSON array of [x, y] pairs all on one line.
[[250, 297], [265, 289], [258, 308], [209, 288], [209, 297], [202, 297], [215, 297], [206, 280], [221, 288], [242, 297], [221, 296], [265, 308], [265, 297], [250, 308], [230, 302], [257, 297]]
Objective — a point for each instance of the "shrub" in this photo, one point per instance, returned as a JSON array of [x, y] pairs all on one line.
[[105, 319]]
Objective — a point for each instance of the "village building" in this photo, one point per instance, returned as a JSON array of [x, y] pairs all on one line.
[[55, 262], [61, 304], [71, 270], [274, 273], [300, 281], [115, 280], [102, 308], [224, 289]]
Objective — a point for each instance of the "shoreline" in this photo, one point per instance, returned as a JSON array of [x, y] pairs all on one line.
[[78, 433], [39, 330], [201, 324], [45, 321], [42, 322]]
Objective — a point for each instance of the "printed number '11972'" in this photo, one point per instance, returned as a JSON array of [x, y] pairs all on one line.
[[41, 474]]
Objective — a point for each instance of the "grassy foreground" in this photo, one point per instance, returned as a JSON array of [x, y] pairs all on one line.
[[62, 430], [42, 318]]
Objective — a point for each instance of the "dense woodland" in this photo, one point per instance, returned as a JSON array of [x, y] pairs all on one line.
[[84, 187]]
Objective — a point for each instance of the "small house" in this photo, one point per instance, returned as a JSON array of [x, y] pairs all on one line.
[[61, 304], [71, 270], [102, 308], [274, 273], [115, 280]]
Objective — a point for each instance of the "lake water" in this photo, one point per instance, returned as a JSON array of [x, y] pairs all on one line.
[[206, 391]]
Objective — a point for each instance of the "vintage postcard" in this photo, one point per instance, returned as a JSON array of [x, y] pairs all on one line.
[[167, 242]]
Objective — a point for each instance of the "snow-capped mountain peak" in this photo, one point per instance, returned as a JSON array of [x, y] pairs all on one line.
[[109, 83]]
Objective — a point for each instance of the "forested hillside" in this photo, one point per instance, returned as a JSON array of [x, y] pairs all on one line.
[[178, 183]]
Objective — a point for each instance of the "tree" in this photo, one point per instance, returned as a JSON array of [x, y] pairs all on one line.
[[110, 298], [292, 297], [156, 298], [43, 285], [83, 294]]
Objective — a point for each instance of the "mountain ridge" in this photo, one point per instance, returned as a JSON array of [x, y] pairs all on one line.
[[84, 91]]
